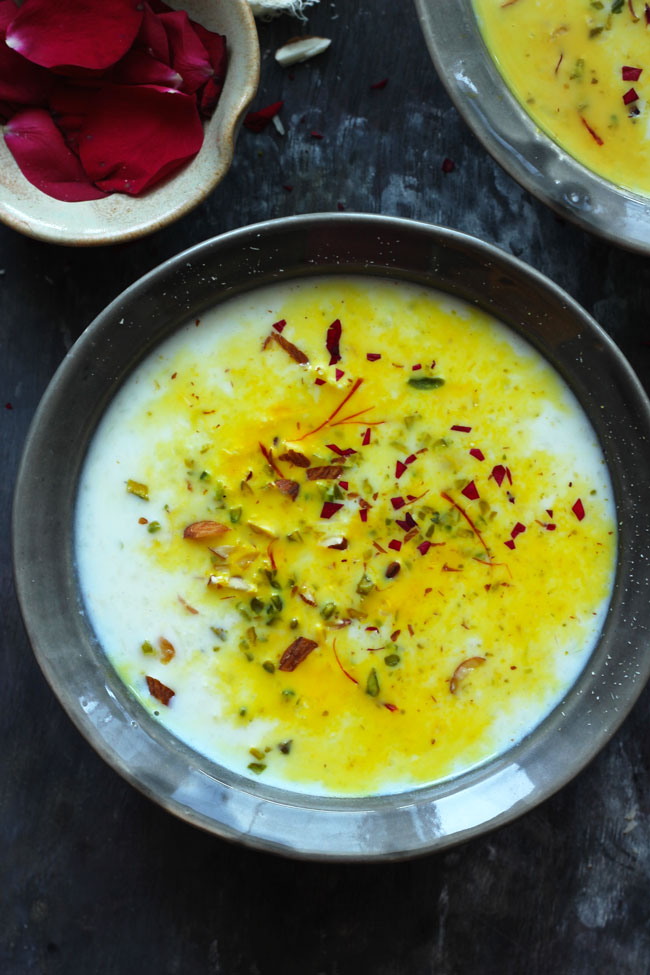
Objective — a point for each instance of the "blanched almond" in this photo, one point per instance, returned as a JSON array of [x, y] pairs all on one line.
[[301, 49]]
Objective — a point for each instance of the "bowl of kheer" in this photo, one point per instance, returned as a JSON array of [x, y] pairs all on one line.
[[558, 94], [341, 552]]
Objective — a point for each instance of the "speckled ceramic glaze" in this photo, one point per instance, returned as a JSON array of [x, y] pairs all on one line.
[[119, 217], [532, 158], [123, 732]]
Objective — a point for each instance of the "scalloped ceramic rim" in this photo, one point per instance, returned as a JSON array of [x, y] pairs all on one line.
[[119, 217], [122, 731], [532, 158]]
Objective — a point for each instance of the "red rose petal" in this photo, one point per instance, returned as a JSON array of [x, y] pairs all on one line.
[[70, 105], [459, 428], [209, 97], [8, 10], [424, 547], [630, 74], [7, 111], [21, 82], [397, 503], [215, 45], [366, 438], [79, 33], [140, 68], [256, 121], [45, 160], [510, 544], [137, 136], [188, 55], [399, 469], [630, 96], [152, 36], [517, 530], [395, 544], [373, 356], [477, 453]]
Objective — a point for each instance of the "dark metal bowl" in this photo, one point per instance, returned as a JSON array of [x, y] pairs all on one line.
[[172, 773], [496, 118]]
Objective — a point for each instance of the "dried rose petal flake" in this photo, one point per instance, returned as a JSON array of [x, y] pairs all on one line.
[[332, 342], [257, 121]]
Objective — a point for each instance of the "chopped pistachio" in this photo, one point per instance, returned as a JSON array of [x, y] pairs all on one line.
[[328, 610], [257, 767], [153, 527], [234, 515], [372, 684], [147, 647], [140, 490], [256, 753], [365, 585], [427, 382], [392, 660], [220, 632], [269, 666]]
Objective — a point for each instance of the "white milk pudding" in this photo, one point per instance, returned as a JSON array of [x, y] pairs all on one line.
[[347, 535]]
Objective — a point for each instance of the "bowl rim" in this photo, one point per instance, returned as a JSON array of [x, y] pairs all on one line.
[[174, 775], [524, 150], [52, 232]]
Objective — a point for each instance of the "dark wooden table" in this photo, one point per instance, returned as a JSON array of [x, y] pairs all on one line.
[[94, 878]]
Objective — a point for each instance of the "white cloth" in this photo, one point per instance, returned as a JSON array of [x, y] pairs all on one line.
[[273, 8]]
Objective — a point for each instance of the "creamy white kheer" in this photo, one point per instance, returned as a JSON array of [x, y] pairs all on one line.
[[347, 535]]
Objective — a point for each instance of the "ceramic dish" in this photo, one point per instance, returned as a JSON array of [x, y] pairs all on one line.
[[119, 217], [170, 772], [482, 97]]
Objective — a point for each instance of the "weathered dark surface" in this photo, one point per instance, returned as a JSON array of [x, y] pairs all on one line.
[[96, 879]]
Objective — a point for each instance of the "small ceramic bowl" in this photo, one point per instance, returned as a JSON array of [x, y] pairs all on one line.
[[119, 217], [122, 730], [483, 99]]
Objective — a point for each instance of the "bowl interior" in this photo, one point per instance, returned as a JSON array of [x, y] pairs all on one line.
[[482, 97], [189, 784], [119, 217]]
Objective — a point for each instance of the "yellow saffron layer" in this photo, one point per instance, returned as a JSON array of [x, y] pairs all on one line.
[[397, 708], [564, 60]]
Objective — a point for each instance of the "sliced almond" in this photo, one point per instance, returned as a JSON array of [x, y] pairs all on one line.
[[463, 669], [260, 530], [205, 529], [231, 582], [301, 49]]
